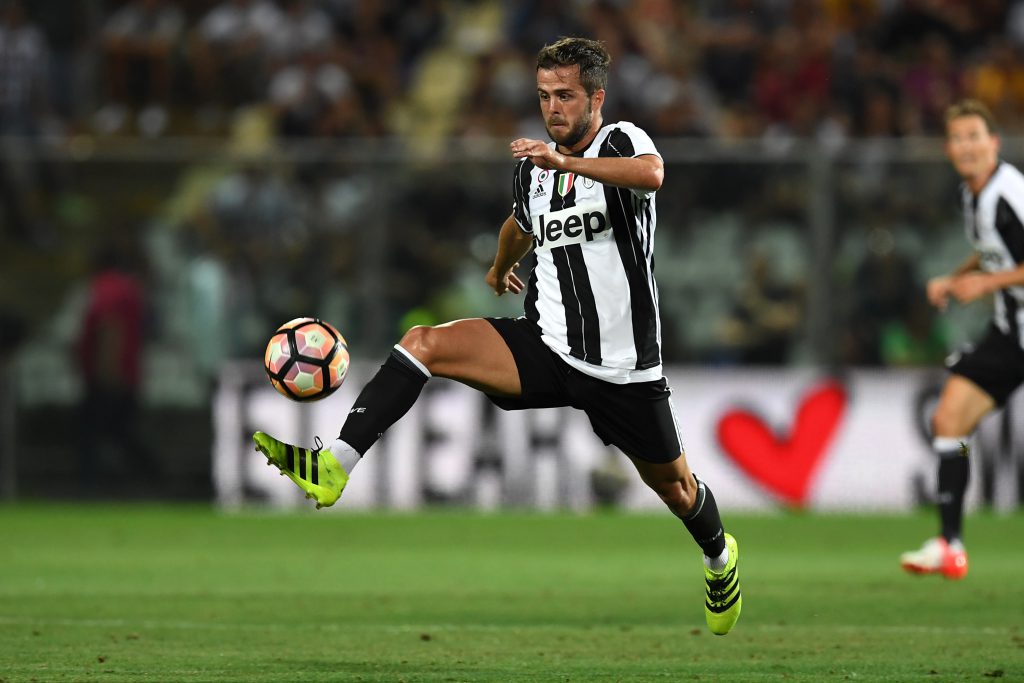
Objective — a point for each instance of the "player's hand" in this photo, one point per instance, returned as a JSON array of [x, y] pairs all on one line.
[[938, 291], [970, 286], [506, 282], [538, 152]]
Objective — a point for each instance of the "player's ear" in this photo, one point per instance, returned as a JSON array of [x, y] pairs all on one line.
[[596, 100]]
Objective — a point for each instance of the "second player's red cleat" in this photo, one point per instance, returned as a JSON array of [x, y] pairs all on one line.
[[937, 556]]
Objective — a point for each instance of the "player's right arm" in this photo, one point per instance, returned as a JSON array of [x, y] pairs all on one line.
[[939, 288], [513, 244]]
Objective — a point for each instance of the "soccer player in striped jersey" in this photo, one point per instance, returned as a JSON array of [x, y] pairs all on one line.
[[590, 337], [992, 197]]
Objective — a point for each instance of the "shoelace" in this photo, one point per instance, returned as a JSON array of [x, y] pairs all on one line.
[[718, 589]]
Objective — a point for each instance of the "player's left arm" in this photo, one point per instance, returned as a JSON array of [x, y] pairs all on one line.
[[644, 173], [976, 284], [973, 285]]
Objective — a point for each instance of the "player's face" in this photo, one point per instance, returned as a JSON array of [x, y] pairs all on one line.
[[569, 113], [973, 150]]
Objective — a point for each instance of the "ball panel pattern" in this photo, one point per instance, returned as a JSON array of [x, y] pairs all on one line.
[[278, 353], [306, 359]]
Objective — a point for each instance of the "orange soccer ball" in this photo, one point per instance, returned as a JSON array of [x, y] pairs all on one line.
[[306, 359]]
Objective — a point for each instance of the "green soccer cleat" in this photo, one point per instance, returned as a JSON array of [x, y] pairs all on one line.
[[724, 601], [315, 471]]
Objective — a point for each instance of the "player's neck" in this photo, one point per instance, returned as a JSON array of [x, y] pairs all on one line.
[[977, 183]]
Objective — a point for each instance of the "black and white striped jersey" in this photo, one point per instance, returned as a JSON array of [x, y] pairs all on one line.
[[994, 228], [592, 293]]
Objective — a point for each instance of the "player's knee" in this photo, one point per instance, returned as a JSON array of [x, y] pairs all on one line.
[[678, 497], [946, 421], [421, 342]]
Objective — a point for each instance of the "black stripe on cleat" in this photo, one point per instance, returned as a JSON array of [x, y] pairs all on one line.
[[315, 467], [290, 450], [302, 465], [719, 608]]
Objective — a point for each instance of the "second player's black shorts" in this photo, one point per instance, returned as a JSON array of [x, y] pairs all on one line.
[[636, 418], [996, 364]]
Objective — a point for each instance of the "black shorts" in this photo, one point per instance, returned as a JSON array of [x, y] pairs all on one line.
[[637, 418], [996, 364]]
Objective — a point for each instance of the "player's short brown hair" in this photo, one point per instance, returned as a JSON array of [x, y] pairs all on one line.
[[971, 107], [590, 55]]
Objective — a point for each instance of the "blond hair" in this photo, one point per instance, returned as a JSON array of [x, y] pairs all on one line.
[[971, 107]]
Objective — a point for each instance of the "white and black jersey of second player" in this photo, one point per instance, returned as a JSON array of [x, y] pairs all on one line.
[[993, 223], [592, 293]]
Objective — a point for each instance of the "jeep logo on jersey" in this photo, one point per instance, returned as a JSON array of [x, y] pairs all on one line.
[[575, 225]]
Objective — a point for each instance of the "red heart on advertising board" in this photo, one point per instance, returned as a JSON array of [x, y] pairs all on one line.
[[785, 465]]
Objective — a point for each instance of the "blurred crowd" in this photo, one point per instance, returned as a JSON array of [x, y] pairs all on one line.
[[178, 177], [162, 67], [256, 236], [350, 68]]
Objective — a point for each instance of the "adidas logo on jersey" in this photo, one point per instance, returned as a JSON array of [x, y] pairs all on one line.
[[570, 226], [539, 192]]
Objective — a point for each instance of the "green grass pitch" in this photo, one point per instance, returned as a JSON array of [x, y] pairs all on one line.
[[153, 593]]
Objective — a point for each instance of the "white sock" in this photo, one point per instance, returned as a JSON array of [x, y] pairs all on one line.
[[346, 456], [717, 564]]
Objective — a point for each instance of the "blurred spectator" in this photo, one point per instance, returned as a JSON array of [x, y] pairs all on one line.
[[373, 57], [260, 218], [909, 22], [731, 38], [409, 27], [791, 74], [932, 82], [538, 22], [229, 50], [23, 108], [499, 80], [997, 79], [878, 117], [419, 25], [315, 95], [69, 28], [207, 297], [139, 43], [685, 104], [762, 326], [920, 339], [23, 72], [885, 288], [303, 28], [109, 355], [257, 204]]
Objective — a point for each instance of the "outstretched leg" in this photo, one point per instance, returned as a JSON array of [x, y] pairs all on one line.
[[469, 351], [691, 500]]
